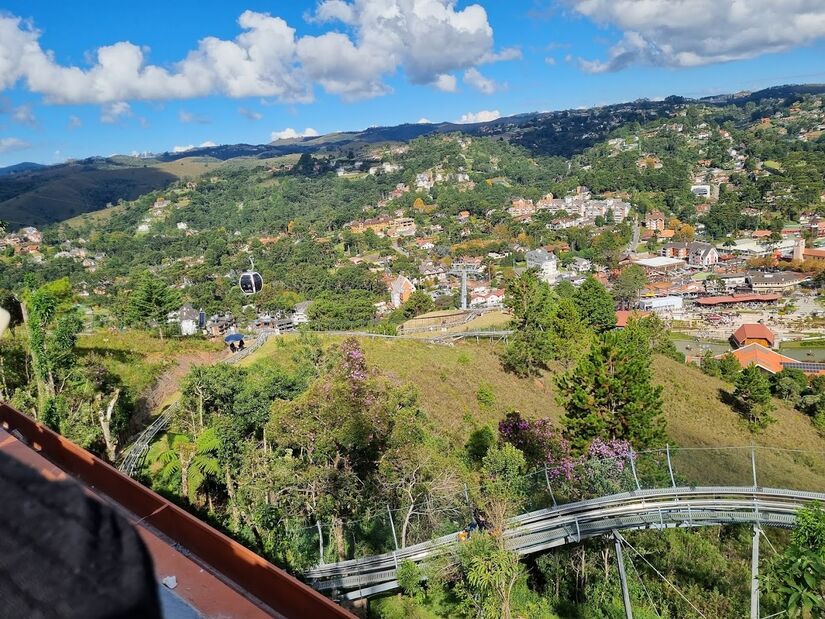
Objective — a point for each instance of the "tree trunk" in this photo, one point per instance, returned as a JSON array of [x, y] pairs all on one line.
[[234, 512], [105, 419], [338, 538]]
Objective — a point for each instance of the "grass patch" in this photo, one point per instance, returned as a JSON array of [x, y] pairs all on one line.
[[137, 357]]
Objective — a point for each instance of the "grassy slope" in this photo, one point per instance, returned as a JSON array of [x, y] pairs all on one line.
[[448, 379], [137, 357]]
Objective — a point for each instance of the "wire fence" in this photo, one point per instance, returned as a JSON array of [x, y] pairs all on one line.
[[387, 528]]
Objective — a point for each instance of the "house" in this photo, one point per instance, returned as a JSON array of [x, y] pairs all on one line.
[[188, 320], [300, 315], [655, 220], [546, 264], [400, 290], [753, 333], [696, 253], [219, 324], [488, 298], [765, 359], [402, 226], [623, 316]]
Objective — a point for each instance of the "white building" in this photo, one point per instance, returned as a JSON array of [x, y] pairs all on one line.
[[546, 264], [661, 304]]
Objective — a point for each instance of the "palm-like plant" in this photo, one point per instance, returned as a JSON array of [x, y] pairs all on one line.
[[177, 458]]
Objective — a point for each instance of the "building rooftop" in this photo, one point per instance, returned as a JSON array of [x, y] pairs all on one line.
[[659, 262], [753, 331], [215, 575], [739, 298], [758, 355]]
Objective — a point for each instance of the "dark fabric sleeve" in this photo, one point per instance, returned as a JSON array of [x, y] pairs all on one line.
[[66, 555]]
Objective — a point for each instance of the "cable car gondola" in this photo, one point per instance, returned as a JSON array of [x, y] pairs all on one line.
[[251, 281]]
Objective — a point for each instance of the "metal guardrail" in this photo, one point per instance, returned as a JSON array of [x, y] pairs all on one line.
[[134, 455], [543, 529]]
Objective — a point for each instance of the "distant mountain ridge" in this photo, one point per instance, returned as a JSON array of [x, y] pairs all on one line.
[[32, 193], [19, 168]]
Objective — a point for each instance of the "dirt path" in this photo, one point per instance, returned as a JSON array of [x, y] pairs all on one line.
[[168, 383]]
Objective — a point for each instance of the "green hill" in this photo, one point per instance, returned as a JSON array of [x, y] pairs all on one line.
[[448, 380]]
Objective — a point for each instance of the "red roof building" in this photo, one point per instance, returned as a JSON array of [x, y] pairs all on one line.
[[753, 333], [763, 358], [622, 316], [739, 298]]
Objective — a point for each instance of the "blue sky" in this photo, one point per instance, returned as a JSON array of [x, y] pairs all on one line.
[[266, 67]]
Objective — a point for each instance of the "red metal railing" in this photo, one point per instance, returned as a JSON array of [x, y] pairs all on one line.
[[250, 572]]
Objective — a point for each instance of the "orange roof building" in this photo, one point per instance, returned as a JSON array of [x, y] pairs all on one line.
[[753, 333], [763, 358], [623, 316]]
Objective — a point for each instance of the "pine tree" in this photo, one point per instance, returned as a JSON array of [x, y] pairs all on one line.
[[596, 305], [150, 302], [568, 334], [610, 395], [753, 395]]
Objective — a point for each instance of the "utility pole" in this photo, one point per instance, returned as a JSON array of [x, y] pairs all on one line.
[[628, 610], [755, 573]]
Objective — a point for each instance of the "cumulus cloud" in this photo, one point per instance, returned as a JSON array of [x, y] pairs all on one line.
[[113, 112], [8, 145], [550, 60], [479, 117], [446, 83], [699, 32], [424, 121], [250, 114], [74, 122], [367, 41], [207, 144], [24, 115], [290, 134], [474, 78]]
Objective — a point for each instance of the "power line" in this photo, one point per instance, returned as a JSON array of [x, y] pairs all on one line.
[[662, 576]]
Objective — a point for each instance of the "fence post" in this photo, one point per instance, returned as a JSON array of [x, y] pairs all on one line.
[[394, 538], [547, 479], [320, 541], [633, 468], [753, 464], [670, 465]]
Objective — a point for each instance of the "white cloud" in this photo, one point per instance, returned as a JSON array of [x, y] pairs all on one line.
[[424, 121], [290, 134], [698, 32], [189, 117], [8, 145], [188, 147], [446, 83], [480, 117], [250, 114], [74, 122], [113, 112], [508, 53], [474, 78], [366, 42], [24, 115], [550, 60]]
